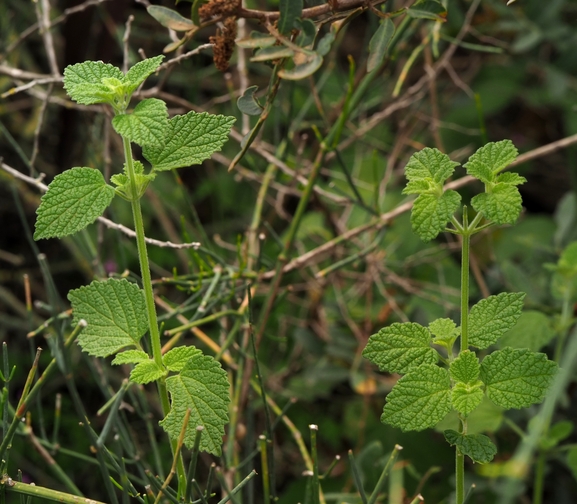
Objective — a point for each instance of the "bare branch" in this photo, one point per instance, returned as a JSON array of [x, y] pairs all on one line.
[[37, 182]]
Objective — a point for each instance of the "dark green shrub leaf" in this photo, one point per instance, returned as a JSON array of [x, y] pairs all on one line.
[[290, 10], [248, 103], [380, 43], [170, 18]]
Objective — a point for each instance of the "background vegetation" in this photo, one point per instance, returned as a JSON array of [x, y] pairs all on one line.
[[319, 288]]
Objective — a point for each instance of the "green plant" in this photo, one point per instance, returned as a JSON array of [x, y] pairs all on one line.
[[117, 313], [509, 377]]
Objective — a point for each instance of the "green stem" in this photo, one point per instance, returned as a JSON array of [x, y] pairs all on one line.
[[43, 493], [466, 242], [539, 477], [149, 294]]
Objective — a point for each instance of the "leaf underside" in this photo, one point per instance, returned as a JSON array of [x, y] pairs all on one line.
[[116, 314], [476, 446], [202, 386]]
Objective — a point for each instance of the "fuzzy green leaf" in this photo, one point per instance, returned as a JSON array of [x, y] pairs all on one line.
[[290, 10], [465, 368], [420, 186], [190, 139], [445, 331], [130, 357], [420, 399], [202, 386], [517, 378], [379, 44], [140, 71], [176, 358], [400, 347], [84, 82], [116, 314], [430, 163], [476, 446], [146, 371], [502, 205], [492, 317], [465, 397], [533, 330], [510, 178], [431, 213], [75, 199], [146, 125], [490, 159]]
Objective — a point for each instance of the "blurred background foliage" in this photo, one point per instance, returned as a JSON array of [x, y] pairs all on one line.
[[513, 75]]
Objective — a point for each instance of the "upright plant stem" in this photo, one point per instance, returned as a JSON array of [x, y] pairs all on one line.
[[465, 244], [149, 295]]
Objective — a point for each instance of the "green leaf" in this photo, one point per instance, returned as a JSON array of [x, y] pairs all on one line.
[[84, 82], [257, 40], [190, 139], [557, 433], [116, 314], [564, 281], [492, 317], [491, 159], [170, 18], [202, 386], [420, 399], [248, 103], [476, 446], [325, 43], [510, 178], [502, 205], [146, 125], [74, 199], [465, 397], [465, 368], [445, 331], [307, 65], [146, 371], [379, 44], [487, 417], [272, 53], [428, 9], [308, 32], [290, 10], [572, 461], [140, 71], [431, 213], [533, 330], [431, 164], [517, 378], [130, 357], [400, 347], [176, 358]]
